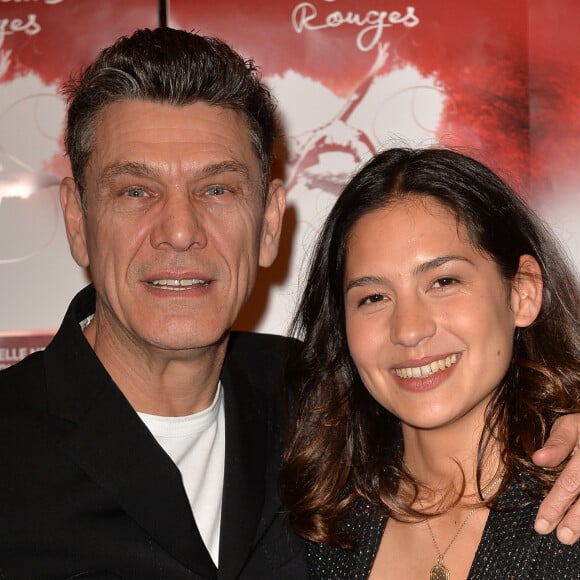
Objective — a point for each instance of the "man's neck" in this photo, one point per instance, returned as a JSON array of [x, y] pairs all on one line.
[[162, 382]]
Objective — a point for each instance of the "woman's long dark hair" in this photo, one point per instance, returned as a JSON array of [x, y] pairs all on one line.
[[342, 444]]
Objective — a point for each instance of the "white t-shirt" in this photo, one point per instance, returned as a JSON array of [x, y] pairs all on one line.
[[196, 444]]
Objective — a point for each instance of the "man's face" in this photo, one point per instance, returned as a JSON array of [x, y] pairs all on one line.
[[175, 225]]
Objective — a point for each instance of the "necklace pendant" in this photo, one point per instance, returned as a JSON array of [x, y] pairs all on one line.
[[439, 572]]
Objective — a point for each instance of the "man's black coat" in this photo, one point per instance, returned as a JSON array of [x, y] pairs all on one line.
[[87, 493]]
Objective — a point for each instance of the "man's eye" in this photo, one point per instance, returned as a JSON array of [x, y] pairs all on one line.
[[135, 192], [216, 190]]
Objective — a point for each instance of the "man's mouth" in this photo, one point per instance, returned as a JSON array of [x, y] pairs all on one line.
[[179, 284], [426, 370]]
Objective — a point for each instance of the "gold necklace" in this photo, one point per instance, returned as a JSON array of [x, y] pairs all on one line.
[[439, 571]]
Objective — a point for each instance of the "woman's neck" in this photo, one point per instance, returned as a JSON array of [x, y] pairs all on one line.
[[445, 462]]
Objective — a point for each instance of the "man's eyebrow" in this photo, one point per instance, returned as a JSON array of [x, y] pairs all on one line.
[[133, 168], [225, 167], [137, 169]]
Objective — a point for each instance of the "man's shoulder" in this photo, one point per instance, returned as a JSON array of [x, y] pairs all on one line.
[[270, 345], [28, 369], [22, 392], [261, 358]]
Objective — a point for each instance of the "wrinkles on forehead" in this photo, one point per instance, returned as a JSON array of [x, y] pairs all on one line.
[[138, 169]]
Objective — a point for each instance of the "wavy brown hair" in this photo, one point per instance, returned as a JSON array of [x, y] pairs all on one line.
[[342, 444]]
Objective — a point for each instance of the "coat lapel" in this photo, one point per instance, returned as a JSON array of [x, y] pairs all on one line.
[[116, 449], [247, 443]]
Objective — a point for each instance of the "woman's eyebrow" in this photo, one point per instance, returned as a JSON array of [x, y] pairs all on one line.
[[439, 261], [420, 269], [364, 281]]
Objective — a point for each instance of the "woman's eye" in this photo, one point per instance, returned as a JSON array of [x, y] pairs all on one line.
[[444, 282], [372, 299]]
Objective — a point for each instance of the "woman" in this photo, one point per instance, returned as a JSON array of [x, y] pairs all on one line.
[[441, 341]]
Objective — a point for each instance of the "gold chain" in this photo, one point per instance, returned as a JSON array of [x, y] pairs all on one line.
[[439, 570]]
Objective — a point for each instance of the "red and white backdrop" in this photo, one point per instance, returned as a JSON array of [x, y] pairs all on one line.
[[498, 80], [41, 43]]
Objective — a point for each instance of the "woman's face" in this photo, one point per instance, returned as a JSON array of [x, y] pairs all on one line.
[[430, 323]]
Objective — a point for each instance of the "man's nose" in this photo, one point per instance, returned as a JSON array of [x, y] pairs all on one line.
[[179, 224]]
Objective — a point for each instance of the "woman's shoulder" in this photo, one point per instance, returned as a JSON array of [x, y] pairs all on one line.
[[510, 548], [365, 524]]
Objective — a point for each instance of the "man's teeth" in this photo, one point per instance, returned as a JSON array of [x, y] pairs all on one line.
[[426, 370], [182, 284]]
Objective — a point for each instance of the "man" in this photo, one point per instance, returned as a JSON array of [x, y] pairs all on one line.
[[144, 442], [131, 449]]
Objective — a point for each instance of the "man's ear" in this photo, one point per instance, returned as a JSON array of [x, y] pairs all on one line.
[[272, 223], [526, 296], [74, 221]]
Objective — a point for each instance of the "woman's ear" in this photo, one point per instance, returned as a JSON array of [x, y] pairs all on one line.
[[526, 295]]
